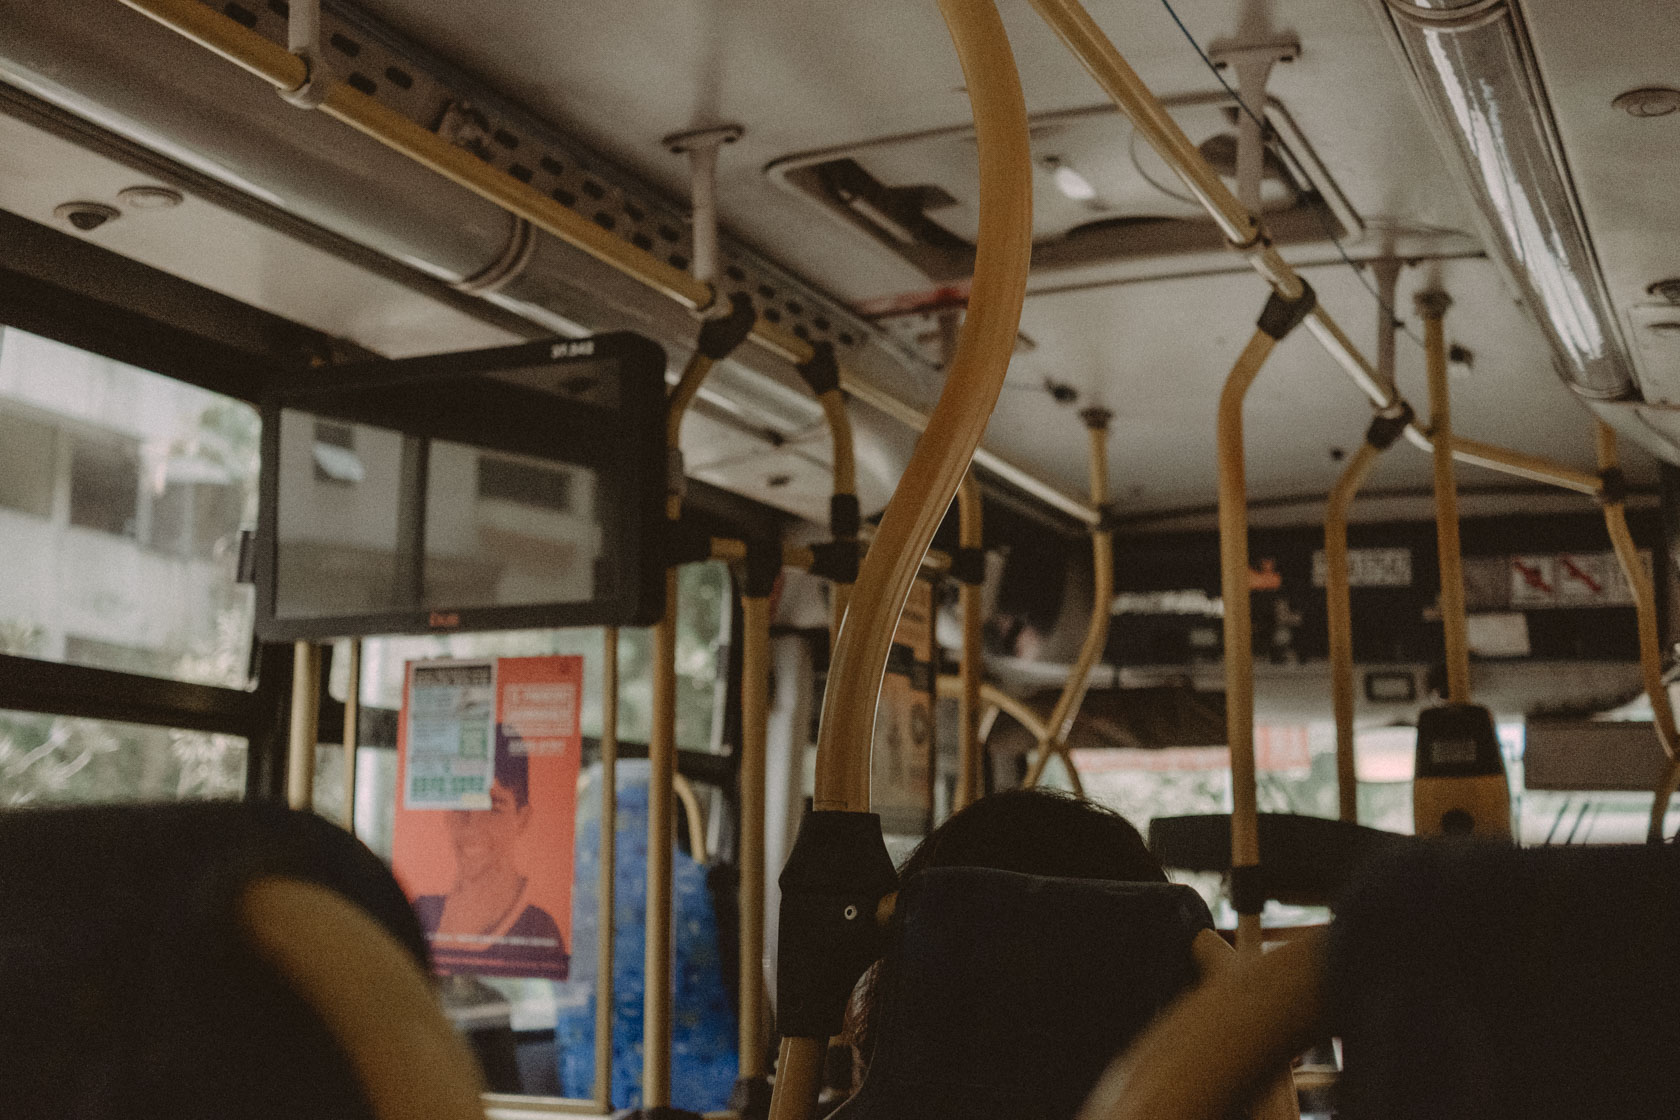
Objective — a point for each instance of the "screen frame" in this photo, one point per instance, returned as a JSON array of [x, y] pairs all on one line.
[[624, 445]]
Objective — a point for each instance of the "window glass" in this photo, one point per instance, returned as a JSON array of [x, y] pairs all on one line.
[[1296, 771], [512, 1022], [122, 494], [47, 760]]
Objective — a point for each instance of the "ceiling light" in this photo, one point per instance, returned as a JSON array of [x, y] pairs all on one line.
[[1653, 101], [150, 198], [1070, 182], [1477, 71]]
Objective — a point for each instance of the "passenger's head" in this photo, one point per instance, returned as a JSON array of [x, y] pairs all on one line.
[[484, 839], [1029, 831], [1039, 832]]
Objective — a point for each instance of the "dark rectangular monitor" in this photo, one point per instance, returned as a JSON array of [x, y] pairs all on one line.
[[519, 487]]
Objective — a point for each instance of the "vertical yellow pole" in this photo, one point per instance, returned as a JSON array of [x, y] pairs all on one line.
[[1432, 307], [662, 758], [606, 900], [755, 717], [305, 725], [1060, 724], [971, 669], [1239, 633], [352, 729], [1337, 597], [935, 470], [1645, 606]]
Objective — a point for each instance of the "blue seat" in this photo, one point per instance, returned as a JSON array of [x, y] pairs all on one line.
[[1474, 980], [126, 989], [1011, 993], [703, 1030]]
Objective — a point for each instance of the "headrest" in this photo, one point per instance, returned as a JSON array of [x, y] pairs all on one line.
[[1475, 980], [1303, 860], [1004, 995], [126, 988]]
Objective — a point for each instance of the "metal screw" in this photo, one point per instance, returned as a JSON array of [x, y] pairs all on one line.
[[851, 913]]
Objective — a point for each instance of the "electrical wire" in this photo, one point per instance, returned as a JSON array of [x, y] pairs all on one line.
[[1341, 250]]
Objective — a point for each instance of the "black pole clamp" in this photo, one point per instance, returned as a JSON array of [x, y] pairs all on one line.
[[837, 560], [1612, 487], [845, 516], [720, 336], [761, 568], [1388, 427], [1248, 890], [1280, 316], [821, 372], [686, 542], [968, 566], [832, 886]]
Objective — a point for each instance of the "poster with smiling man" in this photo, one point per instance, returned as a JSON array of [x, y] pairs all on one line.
[[487, 769]]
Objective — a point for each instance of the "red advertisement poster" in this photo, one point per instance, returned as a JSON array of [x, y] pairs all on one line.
[[487, 770]]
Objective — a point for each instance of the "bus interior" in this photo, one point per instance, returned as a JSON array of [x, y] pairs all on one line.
[[767, 432]]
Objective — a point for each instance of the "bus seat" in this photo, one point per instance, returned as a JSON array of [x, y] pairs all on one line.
[[1305, 861], [1013, 992], [128, 986], [1476, 980]]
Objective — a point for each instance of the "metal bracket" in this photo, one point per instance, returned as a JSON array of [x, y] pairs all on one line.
[[701, 146], [1253, 64]]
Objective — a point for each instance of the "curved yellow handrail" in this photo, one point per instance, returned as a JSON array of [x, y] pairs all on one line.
[[972, 668], [950, 687], [371, 996], [1059, 725], [958, 421], [1339, 607], [1219, 1046], [1650, 644]]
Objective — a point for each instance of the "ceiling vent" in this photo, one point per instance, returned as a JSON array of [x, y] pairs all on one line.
[[1100, 194]]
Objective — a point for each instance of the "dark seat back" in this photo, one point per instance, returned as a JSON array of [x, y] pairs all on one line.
[[1470, 980], [125, 986], [1009, 994]]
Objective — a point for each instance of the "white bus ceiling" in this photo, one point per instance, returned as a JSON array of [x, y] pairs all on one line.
[[824, 75]]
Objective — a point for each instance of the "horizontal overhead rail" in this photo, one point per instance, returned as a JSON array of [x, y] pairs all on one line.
[[287, 72], [1080, 33]]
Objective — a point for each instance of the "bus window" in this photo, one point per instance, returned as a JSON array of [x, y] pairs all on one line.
[[122, 496], [537, 1064], [53, 760]]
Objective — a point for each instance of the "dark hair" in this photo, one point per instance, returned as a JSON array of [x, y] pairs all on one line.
[[1030, 831], [513, 771]]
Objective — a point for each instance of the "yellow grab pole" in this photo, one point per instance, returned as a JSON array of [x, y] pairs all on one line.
[[606, 900], [352, 729], [1337, 598], [941, 457], [1060, 723], [407, 1061], [305, 728], [1645, 606], [972, 667], [1432, 307], [953, 430], [995, 699], [1215, 959], [1519, 464], [1204, 1055], [755, 722], [662, 770], [1239, 641]]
